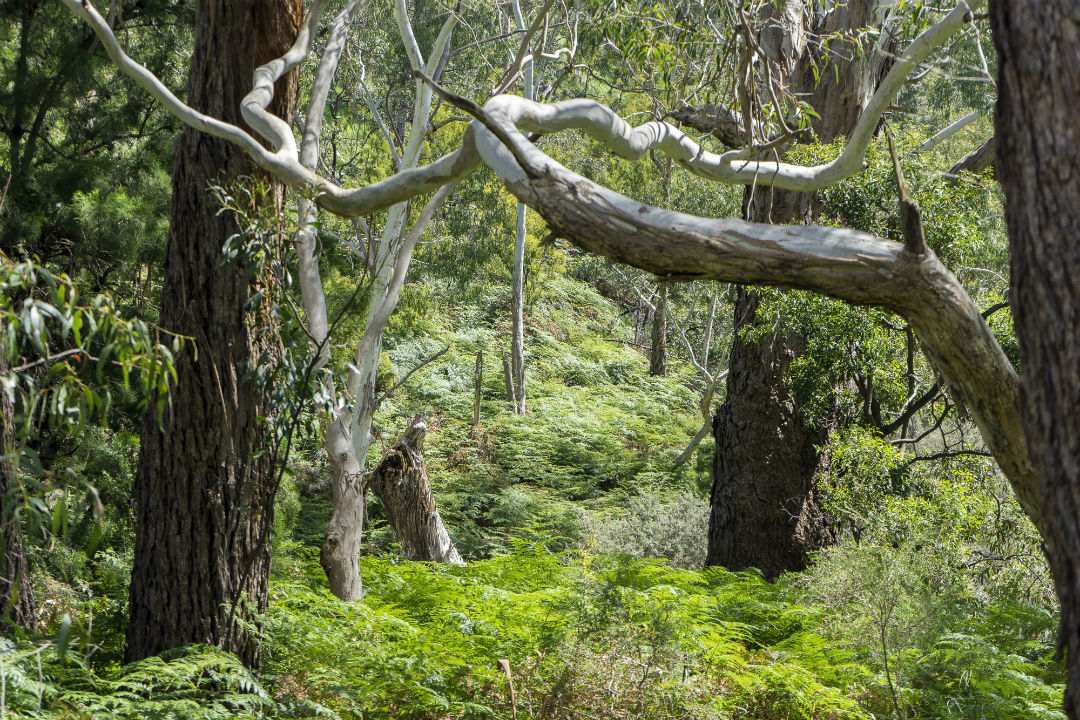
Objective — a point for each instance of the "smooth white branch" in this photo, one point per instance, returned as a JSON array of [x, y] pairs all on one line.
[[306, 239], [284, 162], [842, 263], [951, 130], [734, 167], [253, 106]]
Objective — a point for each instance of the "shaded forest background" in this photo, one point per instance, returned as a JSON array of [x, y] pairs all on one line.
[[583, 594]]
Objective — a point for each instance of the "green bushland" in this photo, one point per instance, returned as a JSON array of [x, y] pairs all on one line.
[[605, 635], [940, 609], [599, 432]]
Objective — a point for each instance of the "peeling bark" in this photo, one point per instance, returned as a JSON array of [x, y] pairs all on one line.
[[977, 160]]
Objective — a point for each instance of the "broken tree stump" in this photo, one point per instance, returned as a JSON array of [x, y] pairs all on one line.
[[400, 482]]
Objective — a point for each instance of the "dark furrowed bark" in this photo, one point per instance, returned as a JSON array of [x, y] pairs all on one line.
[[1038, 123], [765, 512], [400, 482], [658, 344], [764, 503], [204, 498]]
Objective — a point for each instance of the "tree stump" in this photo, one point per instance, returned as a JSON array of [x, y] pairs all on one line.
[[400, 482]]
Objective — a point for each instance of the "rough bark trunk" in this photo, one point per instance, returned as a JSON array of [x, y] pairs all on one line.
[[1038, 121], [977, 160], [658, 346], [764, 506], [16, 596], [478, 387], [764, 510], [204, 502], [508, 379], [400, 482]]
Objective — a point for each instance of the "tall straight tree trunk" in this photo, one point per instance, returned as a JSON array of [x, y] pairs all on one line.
[[203, 498], [1038, 123], [658, 346], [517, 293], [765, 512], [764, 506], [16, 597], [517, 302]]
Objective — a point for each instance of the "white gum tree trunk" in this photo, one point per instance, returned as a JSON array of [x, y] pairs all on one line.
[[347, 473], [348, 431], [517, 296], [341, 547]]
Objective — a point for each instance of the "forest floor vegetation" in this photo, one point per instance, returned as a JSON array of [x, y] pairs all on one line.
[[583, 595]]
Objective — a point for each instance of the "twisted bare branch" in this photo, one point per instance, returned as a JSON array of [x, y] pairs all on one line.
[[735, 167]]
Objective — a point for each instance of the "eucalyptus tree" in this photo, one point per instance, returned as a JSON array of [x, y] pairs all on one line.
[[516, 376], [528, 62], [348, 430], [1036, 120], [794, 63], [798, 73], [905, 278], [203, 490]]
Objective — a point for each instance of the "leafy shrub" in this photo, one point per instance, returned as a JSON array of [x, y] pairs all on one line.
[[941, 648], [675, 531], [606, 636], [601, 636]]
